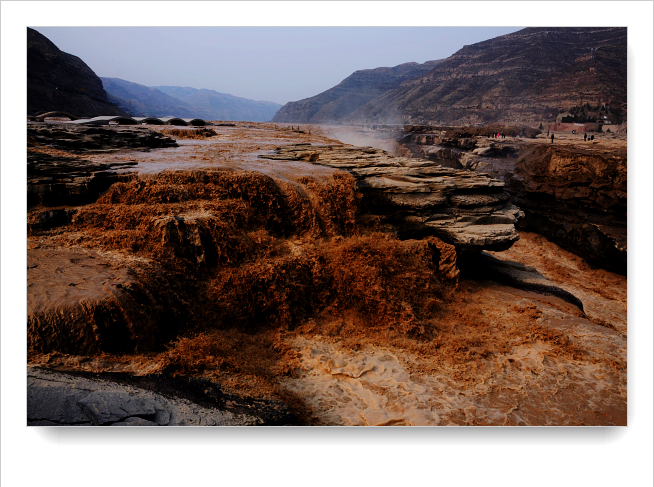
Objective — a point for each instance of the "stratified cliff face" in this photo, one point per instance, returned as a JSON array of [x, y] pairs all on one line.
[[354, 91], [577, 199], [525, 76], [57, 81]]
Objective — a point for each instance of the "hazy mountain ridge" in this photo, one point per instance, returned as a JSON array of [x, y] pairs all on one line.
[[186, 102], [146, 101], [58, 81], [525, 76], [354, 91], [223, 106]]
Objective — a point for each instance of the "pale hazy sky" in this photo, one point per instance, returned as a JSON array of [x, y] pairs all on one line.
[[277, 64]]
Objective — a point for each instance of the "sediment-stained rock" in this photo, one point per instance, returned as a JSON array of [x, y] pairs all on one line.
[[55, 180], [577, 198], [417, 197]]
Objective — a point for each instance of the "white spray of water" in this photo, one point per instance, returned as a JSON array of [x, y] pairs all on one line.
[[378, 136]]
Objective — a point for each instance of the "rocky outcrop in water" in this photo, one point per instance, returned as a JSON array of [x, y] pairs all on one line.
[[466, 209], [81, 139], [456, 148], [57, 174], [577, 198]]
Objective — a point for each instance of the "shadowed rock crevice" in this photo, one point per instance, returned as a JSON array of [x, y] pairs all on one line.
[[514, 274]]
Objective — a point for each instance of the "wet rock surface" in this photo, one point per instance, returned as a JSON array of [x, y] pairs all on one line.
[[75, 398], [55, 180], [514, 274], [59, 171], [577, 198], [466, 209], [81, 139]]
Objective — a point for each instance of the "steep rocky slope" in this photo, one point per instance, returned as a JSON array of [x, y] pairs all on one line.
[[351, 93], [525, 76], [58, 81]]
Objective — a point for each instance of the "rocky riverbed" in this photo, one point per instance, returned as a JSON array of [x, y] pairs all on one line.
[[305, 281]]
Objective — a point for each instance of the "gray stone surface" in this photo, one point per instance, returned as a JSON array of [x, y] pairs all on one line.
[[59, 399]]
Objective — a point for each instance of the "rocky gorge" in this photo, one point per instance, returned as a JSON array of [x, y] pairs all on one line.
[[572, 191], [253, 274]]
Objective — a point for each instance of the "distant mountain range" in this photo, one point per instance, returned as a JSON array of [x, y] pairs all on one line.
[[353, 92], [526, 77], [58, 81], [160, 101]]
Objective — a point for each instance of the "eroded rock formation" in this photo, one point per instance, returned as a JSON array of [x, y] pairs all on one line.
[[577, 198], [466, 209], [573, 191], [59, 172], [81, 139]]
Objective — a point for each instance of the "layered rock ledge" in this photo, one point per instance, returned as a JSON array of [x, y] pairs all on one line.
[[59, 171], [418, 198], [577, 198]]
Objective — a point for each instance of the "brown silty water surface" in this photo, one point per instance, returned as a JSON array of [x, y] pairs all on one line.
[[266, 277]]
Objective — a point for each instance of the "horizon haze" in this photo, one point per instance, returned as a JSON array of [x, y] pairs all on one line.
[[295, 62]]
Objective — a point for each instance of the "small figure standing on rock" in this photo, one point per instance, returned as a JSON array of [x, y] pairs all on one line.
[[548, 133], [592, 137], [585, 137], [552, 138]]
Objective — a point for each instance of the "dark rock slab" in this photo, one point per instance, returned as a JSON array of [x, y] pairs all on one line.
[[109, 407], [514, 274], [83, 139], [56, 398]]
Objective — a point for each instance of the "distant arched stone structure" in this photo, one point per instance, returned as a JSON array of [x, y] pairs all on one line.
[[149, 120], [173, 121], [43, 116], [107, 120], [196, 122]]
